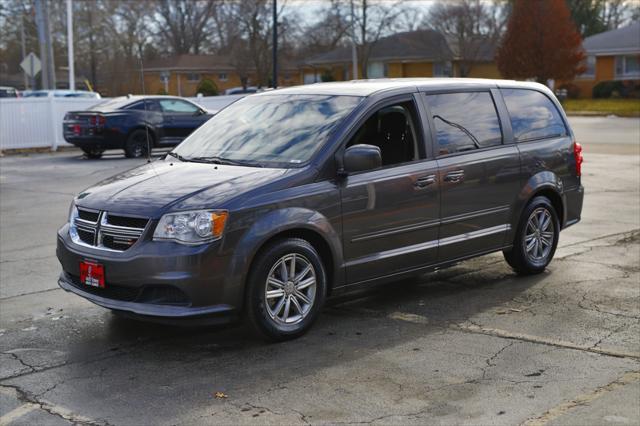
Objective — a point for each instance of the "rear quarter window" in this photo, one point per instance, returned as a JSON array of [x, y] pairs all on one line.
[[533, 115]]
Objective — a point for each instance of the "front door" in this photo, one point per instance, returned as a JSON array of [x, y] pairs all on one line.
[[180, 119], [478, 173], [390, 215]]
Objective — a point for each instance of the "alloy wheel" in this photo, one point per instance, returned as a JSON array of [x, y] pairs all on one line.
[[539, 235], [290, 289]]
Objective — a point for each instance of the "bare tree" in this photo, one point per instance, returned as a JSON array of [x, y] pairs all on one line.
[[331, 30], [614, 13], [182, 24], [371, 21], [471, 27]]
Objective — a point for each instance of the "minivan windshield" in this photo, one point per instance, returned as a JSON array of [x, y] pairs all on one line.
[[269, 130]]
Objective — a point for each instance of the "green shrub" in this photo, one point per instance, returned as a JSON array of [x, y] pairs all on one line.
[[605, 89], [327, 76], [207, 88]]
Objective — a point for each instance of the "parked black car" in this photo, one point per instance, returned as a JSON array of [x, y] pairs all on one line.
[[133, 123], [290, 196]]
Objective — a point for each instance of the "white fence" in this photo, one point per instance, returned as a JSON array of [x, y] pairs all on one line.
[[37, 122]]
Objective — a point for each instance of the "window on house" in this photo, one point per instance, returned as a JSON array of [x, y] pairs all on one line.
[[376, 70], [628, 66], [442, 69], [222, 76], [590, 64], [193, 77], [393, 130], [533, 115], [464, 121], [310, 78]]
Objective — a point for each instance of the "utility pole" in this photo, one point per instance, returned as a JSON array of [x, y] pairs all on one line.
[[354, 47], [51, 67], [24, 49], [275, 44], [44, 76], [72, 75]]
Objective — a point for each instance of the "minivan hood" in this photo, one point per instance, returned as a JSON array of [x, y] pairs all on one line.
[[155, 188]]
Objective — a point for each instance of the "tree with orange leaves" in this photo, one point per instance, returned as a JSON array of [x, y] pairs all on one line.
[[541, 42]]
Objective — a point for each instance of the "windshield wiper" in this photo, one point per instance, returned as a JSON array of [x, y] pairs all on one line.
[[226, 161], [176, 155]]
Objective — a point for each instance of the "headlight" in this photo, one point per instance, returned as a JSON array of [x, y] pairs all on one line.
[[193, 227], [73, 214]]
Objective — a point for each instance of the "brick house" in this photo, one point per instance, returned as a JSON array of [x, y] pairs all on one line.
[[422, 53], [611, 56]]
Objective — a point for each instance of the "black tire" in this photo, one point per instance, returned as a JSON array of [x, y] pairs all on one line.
[[137, 145], [259, 310], [93, 153], [535, 259]]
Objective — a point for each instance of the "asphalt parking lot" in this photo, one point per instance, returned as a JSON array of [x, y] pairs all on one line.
[[472, 344]]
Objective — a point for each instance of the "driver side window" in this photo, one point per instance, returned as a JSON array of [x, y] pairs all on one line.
[[176, 105], [393, 130]]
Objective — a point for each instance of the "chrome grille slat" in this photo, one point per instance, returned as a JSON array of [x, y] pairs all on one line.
[[108, 236]]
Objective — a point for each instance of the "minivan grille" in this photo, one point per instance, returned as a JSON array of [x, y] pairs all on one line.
[[103, 230]]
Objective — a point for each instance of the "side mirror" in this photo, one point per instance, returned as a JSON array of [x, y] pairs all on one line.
[[361, 157]]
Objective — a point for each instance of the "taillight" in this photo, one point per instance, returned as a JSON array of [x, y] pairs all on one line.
[[76, 129], [97, 120], [577, 155]]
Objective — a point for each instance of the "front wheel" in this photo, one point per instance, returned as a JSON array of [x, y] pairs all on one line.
[[286, 289], [536, 238]]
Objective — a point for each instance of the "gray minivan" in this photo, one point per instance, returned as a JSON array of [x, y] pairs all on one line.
[[290, 196]]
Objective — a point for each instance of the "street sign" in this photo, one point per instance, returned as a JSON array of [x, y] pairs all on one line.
[[31, 65]]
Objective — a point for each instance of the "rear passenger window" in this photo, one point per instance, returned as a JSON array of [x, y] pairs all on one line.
[[533, 115], [464, 121]]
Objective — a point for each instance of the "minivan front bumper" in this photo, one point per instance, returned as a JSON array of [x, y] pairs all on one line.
[[154, 280]]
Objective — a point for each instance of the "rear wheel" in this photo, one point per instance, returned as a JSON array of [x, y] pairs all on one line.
[[137, 145], [536, 238], [286, 289], [93, 153]]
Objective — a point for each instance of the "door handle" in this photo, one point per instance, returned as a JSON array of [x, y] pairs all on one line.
[[424, 181], [454, 176]]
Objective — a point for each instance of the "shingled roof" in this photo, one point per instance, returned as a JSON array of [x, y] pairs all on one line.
[[189, 62], [619, 41], [423, 45]]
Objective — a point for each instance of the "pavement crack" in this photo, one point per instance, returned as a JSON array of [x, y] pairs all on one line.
[[29, 293], [476, 329], [491, 360], [21, 361], [52, 409], [584, 399]]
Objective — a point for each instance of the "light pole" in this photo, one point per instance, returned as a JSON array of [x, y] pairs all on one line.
[[275, 44]]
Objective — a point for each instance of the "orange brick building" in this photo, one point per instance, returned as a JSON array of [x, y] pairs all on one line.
[[611, 56], [423, 53]]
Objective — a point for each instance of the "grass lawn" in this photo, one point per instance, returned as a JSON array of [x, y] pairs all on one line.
[[620, 107]]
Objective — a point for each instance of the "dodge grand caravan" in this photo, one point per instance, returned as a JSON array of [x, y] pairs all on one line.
[[287, 197]]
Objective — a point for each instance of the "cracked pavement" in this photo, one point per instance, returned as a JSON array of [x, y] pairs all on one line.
[[472, 344]]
